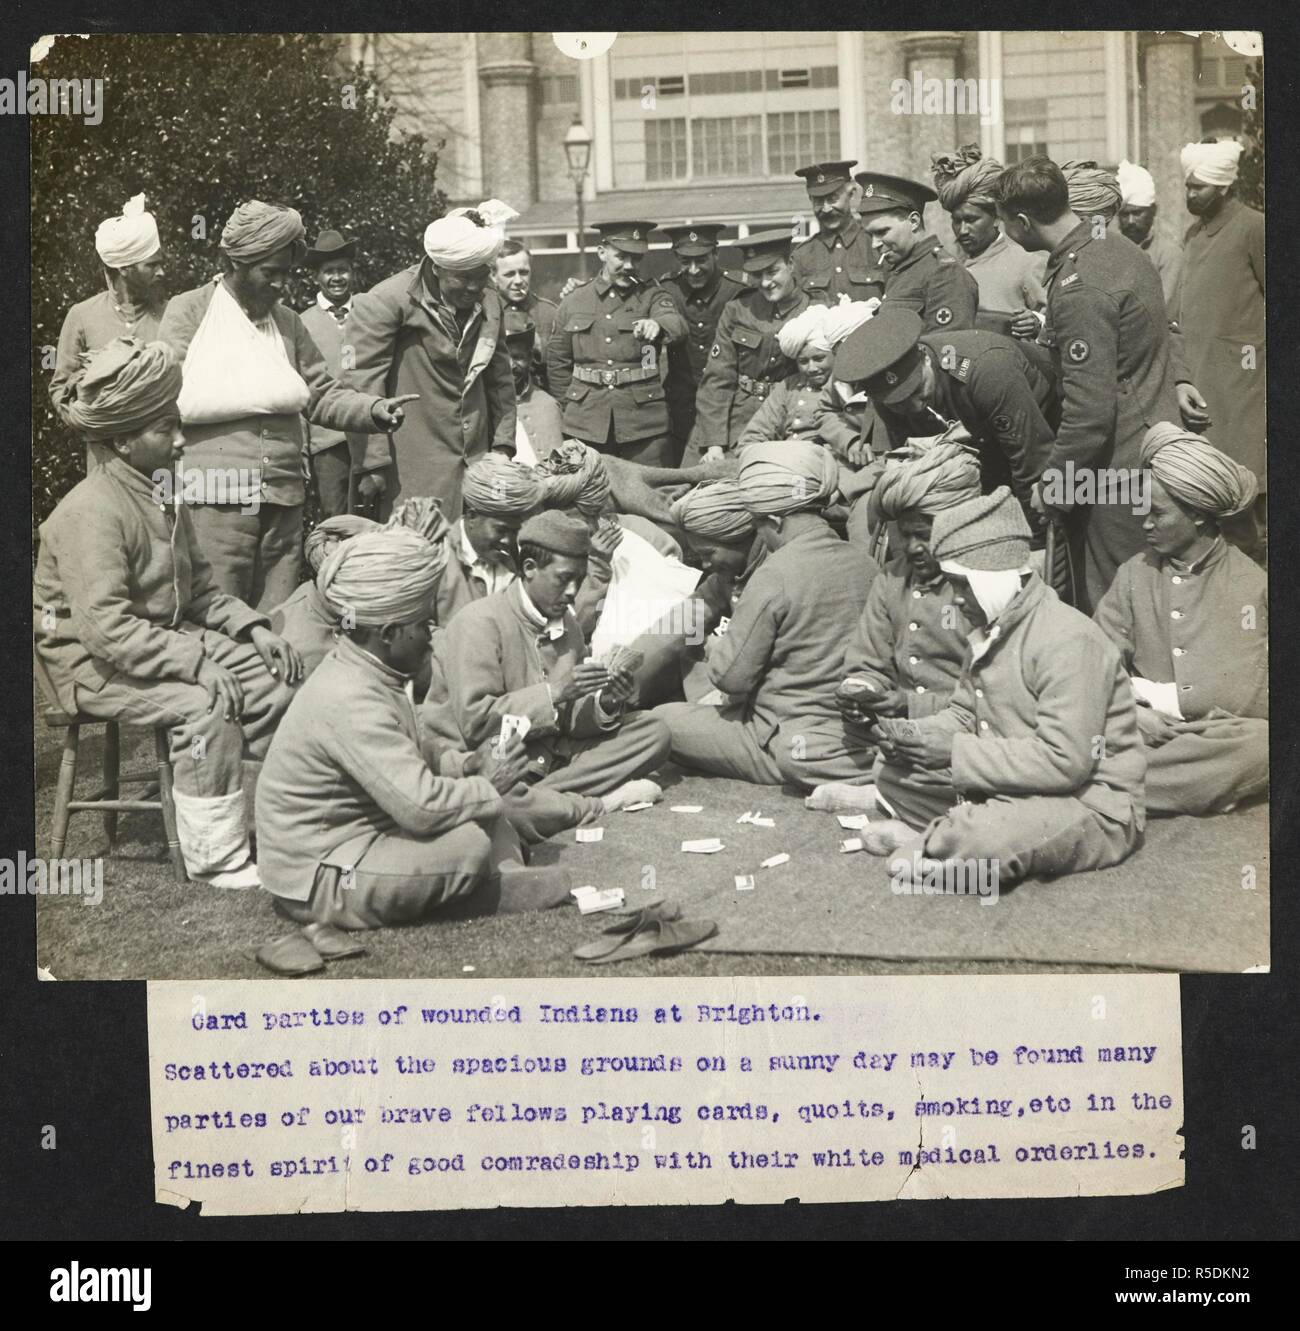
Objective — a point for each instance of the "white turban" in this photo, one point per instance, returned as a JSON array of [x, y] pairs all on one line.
[[131, 238], [847, 317], [468, 237], [1213, 163], [1136, 185], [806, 329]]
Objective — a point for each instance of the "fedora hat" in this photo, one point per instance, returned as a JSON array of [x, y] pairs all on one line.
[[329, 245]]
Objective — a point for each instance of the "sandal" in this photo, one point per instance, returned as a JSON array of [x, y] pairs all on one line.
[[331, 942], [291, 955]]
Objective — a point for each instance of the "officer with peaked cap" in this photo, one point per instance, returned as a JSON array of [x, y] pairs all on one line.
[[602, 360], [920, 383], [746, 360], [923, 276], [701, 288], [838, 261]]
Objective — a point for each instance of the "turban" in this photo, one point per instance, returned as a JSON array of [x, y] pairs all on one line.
[[1214, 163], [575, 477], [847, 317], [1092, 188], [382, 577], [964, 176], [1136, 185], [500, 486], [558, 532], [805, 331], [422, 515], [121, 387], [468, 237], [131, 238], [787, 476], [715, 510], [928, 481], [256, 229], [324, 536], [1196, 473]]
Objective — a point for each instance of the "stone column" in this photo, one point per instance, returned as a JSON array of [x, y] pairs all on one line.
[[508, 78], [1168, 63], [931, 56]]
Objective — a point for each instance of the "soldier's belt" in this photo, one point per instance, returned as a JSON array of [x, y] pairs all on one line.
[[611, 378], [758, 387]]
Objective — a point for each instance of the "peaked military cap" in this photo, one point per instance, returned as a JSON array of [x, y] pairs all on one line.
[[880, 193], [634, 237], [826, 177], [695, 240], [883, 355], [763, 249]]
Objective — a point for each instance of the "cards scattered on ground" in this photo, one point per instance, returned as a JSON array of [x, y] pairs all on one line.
[[756, 820], [590, 833], [704, 846], [744, 882], [849, 846], [773, 860], [687, 808], [852, 822], [591, 899], [639, 805]]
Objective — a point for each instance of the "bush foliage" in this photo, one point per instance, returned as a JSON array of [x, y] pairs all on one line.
[[198, 123]]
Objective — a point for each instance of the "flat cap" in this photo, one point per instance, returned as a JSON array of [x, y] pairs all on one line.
[[824, 178], [883, 354], [880, 193], [552, 530]]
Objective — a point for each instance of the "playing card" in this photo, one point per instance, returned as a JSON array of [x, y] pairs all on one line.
[[704, 846], [773, 860], [590, 833]]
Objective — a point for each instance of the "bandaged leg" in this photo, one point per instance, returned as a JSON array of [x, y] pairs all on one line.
[[213, 835]]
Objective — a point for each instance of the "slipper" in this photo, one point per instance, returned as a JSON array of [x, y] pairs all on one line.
[[656, 936], [331, 942], [290, 955], [625, 924]]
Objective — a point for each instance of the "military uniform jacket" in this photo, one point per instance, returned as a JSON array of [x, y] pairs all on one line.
[[746, 346], [931, 282], [537, 313], [701, 310], [986, 382], [830, 266], [790, 411], [593, 329], [1107, 321]]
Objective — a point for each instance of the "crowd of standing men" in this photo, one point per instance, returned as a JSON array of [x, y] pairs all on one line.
[[967, 530]]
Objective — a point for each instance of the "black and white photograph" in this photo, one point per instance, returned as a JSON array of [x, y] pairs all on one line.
[[647, 504]]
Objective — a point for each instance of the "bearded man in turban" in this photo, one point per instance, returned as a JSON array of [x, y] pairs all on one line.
[[131, 304], [357, 827], [1190, 620], [1035, 763], [1137, 216], [1011, 295], [252, 372], [1219, 306], [497, 496], [436, 331], [782, 656], [130, 621]]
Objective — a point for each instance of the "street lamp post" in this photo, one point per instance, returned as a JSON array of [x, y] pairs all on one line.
[[577, 148]]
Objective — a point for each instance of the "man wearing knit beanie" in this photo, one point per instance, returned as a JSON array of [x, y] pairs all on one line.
[[1041, 735], [519, 656]]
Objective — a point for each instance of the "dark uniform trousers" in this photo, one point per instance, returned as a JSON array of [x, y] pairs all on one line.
[[536, 313], [745, 362], [931, 282], [608, 381], [842, 264], [686, 361]]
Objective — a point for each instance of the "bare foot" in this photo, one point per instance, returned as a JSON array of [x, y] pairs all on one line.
[[632, 792], [840, 797], [885, 837]]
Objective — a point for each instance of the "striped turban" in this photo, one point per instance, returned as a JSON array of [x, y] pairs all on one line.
[[382, 577], [501, 486], [130, 238], [574, 476], [1196, 473], [806, 331], [928, 481], [847, 317], [1092, 188], [422, 515], [256, 229], [787, 476], [964, 176], [324, 536], [715, 511], [1213, 163], [121, 387]]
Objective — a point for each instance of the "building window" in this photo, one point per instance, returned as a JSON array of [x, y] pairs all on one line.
[[795, 138], [727, 146], [559, 90], [665, 150], [1054, 95]]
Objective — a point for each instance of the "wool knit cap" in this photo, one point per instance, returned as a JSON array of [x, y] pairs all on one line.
[[988, 532]]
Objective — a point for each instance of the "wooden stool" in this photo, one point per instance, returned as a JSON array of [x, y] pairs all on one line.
[[108, 801]]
